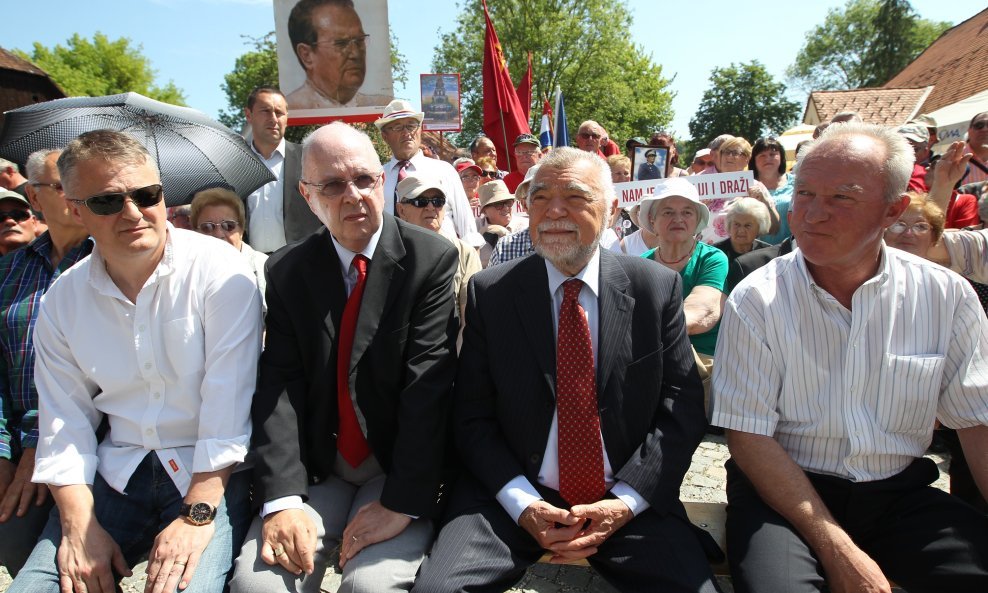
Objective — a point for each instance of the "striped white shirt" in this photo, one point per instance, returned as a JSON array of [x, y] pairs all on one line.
[[852, 393]]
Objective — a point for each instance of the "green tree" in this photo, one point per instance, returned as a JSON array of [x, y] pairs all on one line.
[[743, 100], [102, 67], [581, 45], [864, 44]]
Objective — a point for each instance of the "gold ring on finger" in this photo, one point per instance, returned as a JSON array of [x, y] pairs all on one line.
[[278, 552]]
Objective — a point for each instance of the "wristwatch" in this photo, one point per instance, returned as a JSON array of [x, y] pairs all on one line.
[[198, 513]]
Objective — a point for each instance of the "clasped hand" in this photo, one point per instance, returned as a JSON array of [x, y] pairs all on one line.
[[576, 533]]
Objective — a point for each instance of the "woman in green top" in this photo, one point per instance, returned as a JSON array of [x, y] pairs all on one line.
[[675, 214]]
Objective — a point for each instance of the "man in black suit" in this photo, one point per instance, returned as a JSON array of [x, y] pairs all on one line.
[[747, 263], [355, 461], [577, 407], [277, 214]]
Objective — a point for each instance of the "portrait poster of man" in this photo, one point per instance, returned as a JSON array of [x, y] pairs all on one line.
[[441, 102], [334, 59], [649, 163]]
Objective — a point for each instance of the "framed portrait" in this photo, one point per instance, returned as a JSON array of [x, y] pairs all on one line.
[[649, 162], [334, 62], [440, 102]]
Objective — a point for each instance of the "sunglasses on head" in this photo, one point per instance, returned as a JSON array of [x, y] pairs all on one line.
[[228, 226], [421, 202], [15, 215], [108, 204]]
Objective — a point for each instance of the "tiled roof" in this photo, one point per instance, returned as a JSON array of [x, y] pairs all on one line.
[[10, 61], [880, 106], [956, 63]]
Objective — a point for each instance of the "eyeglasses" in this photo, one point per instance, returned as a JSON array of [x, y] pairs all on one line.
[[491, 174], [531, 152], [470, 177], [589, 135], [733, 153], [407, 128], [918, 228], [501, 206], [346, 44], [228, 226], [703, 163], [15, 215], [420, 202], [335, 188], [109, 204], [980, 125], [55, 186]]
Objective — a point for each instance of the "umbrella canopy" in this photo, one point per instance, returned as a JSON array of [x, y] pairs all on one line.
[[192, 150]]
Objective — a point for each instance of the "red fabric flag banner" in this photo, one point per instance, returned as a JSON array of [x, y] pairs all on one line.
[[525, 90], [504, 117]]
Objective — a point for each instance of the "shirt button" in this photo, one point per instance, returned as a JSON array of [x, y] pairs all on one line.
[[157, 395], [149, 431], [147, 365]]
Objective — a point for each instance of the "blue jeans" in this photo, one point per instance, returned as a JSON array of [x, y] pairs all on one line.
[[135, 518]]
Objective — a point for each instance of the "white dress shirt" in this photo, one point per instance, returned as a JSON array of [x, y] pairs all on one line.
[[459, 215], [852, 393], [519, 493], [349, 282], [173, 373], [266, 206]]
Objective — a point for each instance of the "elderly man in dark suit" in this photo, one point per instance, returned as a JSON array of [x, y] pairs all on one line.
[[350, 411], [577, 407]]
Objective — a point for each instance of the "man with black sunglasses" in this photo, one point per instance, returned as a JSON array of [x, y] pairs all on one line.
[[18, 225], [24, 277], [157, 335], [977, 147]]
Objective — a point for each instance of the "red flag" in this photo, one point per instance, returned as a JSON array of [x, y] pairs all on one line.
[[504, 117], [525, 90]]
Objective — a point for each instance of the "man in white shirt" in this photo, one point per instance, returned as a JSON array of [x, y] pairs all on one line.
[[834, 364], [401, 128], [577, 408], [276, 212], [157, 335]]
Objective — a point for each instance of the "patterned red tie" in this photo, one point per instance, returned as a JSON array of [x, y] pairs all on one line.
[[402, 174], [581, 456], [351, 442]]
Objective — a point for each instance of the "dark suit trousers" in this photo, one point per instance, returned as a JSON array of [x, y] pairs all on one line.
[[924, 539], [480, 549]]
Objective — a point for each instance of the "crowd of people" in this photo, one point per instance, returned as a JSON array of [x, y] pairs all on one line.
[[435, 373]]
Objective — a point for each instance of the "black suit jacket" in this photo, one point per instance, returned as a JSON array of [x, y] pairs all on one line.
[[747, 263], [401, 370], [649, 395], [298, 219]]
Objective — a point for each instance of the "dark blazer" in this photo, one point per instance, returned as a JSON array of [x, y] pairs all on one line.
[[401, 370], [649, 394], [298, 219], [747, 263]]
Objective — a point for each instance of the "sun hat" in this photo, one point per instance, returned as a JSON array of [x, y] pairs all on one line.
[[398, 109], [673, 187], [494, 192]]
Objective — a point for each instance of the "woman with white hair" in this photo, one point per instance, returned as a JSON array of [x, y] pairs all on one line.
[[675, 215], [745, 219]]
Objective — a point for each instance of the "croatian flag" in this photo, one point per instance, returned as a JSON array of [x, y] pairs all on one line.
[[545, 132], [561, 137]]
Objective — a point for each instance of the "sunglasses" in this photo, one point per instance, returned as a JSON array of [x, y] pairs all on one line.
[[15, 215], [420, 202], [980, 125], [228, 226], [109, 204], [491, 174], [588, 135]]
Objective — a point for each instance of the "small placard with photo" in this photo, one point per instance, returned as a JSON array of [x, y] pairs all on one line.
[[649, 163]]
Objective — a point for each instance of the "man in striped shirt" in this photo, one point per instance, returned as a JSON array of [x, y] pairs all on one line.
[[833, 364], [25, 276]]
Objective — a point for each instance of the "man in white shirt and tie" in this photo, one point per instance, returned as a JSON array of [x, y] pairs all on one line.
[[157, 334], [401, 128]]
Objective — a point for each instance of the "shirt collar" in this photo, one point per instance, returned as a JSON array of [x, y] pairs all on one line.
[[590, 275], [415, 157], [346, 256], [880, 277], [100, 279], [279, 150]]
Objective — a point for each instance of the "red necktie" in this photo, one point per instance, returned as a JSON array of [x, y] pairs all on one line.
[[581, 455], [351, 442], [402, 173]]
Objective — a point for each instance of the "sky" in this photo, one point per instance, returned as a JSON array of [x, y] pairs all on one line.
[[194, 43]]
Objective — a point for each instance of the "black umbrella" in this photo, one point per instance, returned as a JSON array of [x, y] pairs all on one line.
[[192, 150]]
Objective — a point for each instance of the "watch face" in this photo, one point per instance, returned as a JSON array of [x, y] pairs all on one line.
[[201, 512]]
